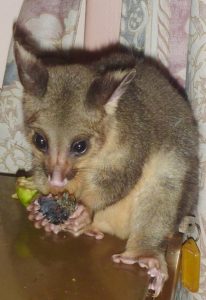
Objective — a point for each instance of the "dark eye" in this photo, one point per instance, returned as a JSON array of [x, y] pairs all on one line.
[[79, 147], [40, 142]]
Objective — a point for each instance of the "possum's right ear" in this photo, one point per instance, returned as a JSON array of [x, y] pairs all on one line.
[[106, 90], [32, 73]]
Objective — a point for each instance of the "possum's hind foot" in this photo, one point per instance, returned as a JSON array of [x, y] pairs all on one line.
[[156, 269]]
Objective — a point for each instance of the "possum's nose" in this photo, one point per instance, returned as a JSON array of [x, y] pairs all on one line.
[[59, 178], [55, 179]]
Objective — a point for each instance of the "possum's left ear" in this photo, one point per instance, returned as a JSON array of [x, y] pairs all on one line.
[[107, 89], [32, 73]]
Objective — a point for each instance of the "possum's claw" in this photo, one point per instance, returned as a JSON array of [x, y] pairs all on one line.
[[156, 270], [98, 235], [121, 258], [157, 279]]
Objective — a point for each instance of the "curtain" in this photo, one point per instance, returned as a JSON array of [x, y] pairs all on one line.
[[172, 31]]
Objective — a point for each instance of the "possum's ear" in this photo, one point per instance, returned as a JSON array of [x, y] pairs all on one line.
[[32, 73], [106, 90]]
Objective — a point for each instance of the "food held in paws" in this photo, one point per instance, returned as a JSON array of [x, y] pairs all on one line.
[[57, 209]]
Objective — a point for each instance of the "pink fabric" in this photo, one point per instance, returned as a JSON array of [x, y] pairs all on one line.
[[178, 40], [102, 23]]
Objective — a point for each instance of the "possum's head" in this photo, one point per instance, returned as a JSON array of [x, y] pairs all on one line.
[[69, 111]]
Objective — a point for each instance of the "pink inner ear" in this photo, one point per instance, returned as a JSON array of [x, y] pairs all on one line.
[[32, 73], [121, 88], [117, 93]]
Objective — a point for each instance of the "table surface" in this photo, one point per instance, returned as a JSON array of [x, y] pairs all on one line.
[[36, 265]]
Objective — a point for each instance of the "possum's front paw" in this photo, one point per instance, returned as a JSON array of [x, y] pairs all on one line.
[[78, 221], [157, 269], [52, 211], [81, 222], [46, 213], [48, 220], [40, 221]]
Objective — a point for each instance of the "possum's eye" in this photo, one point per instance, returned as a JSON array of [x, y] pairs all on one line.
[[40, 142], [79, 147]]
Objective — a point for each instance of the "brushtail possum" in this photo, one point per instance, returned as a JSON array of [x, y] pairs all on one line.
[[114, 130]]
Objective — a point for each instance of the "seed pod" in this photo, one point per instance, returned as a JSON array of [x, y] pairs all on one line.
[[57, 209]]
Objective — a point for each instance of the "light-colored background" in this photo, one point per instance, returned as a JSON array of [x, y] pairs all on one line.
[[9, 11]]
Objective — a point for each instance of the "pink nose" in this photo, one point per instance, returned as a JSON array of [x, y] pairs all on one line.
[[56, 179]]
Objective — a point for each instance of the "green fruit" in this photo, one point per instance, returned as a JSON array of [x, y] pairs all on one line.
[[25, 195]]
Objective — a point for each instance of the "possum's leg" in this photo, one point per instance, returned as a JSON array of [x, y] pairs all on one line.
[[154, 217], [154, 263]]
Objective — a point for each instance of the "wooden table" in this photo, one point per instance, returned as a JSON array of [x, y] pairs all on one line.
[[35, 265]]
